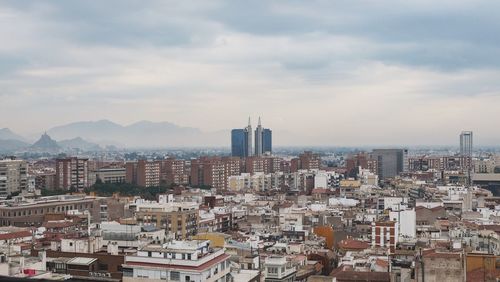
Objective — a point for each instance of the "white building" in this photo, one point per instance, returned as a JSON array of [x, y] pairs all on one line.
[[186, 261], [407, 221], [277, 268]]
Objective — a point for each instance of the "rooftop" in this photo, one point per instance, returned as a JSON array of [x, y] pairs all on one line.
[[81, 261]]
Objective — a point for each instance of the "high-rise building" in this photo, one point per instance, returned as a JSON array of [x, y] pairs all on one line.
[[258, 139], [13, 176], [241, 141], [173, 171], [248, 144], [238, 143], [390, 162], [72, 173], [466, 143], [307, 160], [214, 171], [267, 140], [263, 140], [143, 173]]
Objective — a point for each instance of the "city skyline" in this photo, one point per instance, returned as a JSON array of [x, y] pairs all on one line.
[[243, 145], [102, 132], [249, 141], [198, 64]]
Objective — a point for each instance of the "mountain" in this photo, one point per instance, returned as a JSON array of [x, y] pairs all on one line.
[[79, 143], [45, 144], [11, 145], [139, 134], [7, 134]]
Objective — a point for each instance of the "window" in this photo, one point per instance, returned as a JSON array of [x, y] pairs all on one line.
[[103, 266], [175, 275], [128, 272]]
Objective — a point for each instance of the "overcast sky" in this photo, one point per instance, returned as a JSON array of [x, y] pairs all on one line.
[[334, 72]]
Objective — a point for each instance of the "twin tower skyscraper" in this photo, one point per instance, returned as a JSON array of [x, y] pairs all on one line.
[[241, 141]]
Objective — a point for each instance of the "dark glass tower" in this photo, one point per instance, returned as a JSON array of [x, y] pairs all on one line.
[[267, 140], [238, 143], [241, 141], [263, 140]]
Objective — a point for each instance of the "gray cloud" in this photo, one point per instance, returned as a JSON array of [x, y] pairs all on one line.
[[334, 69]]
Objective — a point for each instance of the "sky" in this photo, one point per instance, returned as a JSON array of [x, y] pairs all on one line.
[[413, 72]]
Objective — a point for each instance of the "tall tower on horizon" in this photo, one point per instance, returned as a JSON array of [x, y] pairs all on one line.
[[248, 132], [258, 139], [466, 139], [241, 141], [263, 140]]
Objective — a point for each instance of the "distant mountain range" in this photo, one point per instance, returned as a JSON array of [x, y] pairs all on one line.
[[7, 134], [94, 135], [45, 144], [79, 143], [139, 134]]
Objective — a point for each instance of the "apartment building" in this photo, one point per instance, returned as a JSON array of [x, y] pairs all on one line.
[[179, 219], [71, 173], [13, 176], [143, 173], [192, 261], [173, 171], [31, 212], [214, 171]]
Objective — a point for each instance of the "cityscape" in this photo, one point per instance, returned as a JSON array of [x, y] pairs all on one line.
[[259, 141]]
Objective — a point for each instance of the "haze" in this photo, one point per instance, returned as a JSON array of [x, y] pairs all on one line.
[[324, 72]]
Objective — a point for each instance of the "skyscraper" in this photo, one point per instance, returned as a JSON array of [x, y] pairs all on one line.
[[248, 145], [238, 141], [466, 143], [241, 141], [258, 139], [267, 140], [391, 162], [263, 140]]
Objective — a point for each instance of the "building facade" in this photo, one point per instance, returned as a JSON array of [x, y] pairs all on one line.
[[241, 141], [263, 140], [13, 176], [71, 173], [143, 173], [390, 162], [193, 261]]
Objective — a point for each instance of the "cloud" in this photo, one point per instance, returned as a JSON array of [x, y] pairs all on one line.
[[331, 72]]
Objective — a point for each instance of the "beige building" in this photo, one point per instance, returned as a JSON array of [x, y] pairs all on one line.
[[179, 219], [31, 212], [13, 177], [109, 175]]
